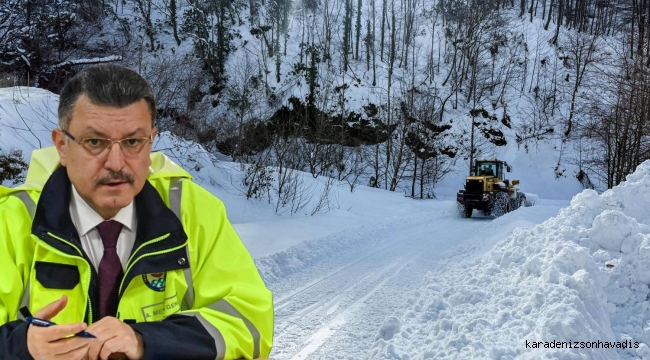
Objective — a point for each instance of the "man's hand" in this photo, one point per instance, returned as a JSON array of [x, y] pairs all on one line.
[[115, 340], [51, 342]]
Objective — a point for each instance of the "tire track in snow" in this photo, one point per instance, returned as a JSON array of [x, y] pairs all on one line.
[[286, 300], [324, 304], [338, 314], [320, 336]]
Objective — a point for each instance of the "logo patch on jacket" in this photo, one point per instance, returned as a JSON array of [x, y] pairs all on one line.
[[155, 281]]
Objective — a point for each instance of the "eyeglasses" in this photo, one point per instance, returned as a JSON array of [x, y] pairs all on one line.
[[96, 146]]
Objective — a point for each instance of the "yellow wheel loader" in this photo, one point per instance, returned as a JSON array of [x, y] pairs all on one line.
[[487, 190]]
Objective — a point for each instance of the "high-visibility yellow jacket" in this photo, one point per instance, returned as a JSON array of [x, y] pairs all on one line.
[[190, 287]]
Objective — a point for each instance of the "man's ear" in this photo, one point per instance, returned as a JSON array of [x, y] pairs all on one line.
[[154, 132], [59, 142]]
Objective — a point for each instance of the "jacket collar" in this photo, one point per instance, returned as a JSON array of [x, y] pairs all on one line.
[[155, 219]]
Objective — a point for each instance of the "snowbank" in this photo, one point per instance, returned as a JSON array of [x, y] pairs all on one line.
[[580, 278]]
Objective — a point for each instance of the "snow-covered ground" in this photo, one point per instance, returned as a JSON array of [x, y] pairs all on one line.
[[580, 277], [381, 276], [356, 295]]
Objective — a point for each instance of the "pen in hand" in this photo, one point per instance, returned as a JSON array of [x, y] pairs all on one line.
[[44, 323]]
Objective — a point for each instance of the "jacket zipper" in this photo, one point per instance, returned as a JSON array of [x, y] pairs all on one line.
[[89, 307]]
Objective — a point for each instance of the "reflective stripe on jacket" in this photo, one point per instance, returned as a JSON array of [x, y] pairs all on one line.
[[190, 286]]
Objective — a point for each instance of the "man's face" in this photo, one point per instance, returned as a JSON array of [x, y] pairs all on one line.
[[109, 181]]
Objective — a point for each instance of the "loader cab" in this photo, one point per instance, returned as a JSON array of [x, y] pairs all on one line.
[[489, 168]]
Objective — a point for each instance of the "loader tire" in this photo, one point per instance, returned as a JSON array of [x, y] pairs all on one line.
[[464, 211], [501, 204], [517, 202]]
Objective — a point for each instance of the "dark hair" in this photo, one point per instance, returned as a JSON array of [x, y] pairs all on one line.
[[105, 84]]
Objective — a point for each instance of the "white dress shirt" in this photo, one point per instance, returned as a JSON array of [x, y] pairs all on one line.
[[85, 220]]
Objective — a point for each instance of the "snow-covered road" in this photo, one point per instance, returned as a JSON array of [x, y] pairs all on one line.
[[335, 308]]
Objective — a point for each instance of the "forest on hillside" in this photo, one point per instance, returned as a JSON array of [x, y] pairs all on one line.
[[391, 94]]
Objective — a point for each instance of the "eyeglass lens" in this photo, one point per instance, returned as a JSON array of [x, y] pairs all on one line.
[[130, 146]]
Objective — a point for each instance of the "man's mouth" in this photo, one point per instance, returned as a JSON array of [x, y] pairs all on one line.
[[115, 179], [115, 184]]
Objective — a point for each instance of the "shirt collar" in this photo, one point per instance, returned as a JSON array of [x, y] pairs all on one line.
[[88, 218]]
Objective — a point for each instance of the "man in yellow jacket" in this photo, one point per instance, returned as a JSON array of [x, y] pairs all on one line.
[[107, 238]]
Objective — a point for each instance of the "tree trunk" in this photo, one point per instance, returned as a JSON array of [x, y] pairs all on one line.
[[391, 64], [383, 29], [422, 179], [415, 175], [550, 14], [172, 15], [358, 28], [372, 47], [560, 16]]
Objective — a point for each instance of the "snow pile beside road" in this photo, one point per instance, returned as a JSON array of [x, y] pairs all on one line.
[[580, 277]]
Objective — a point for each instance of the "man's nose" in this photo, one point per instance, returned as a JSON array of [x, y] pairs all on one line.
[[115, 159]]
